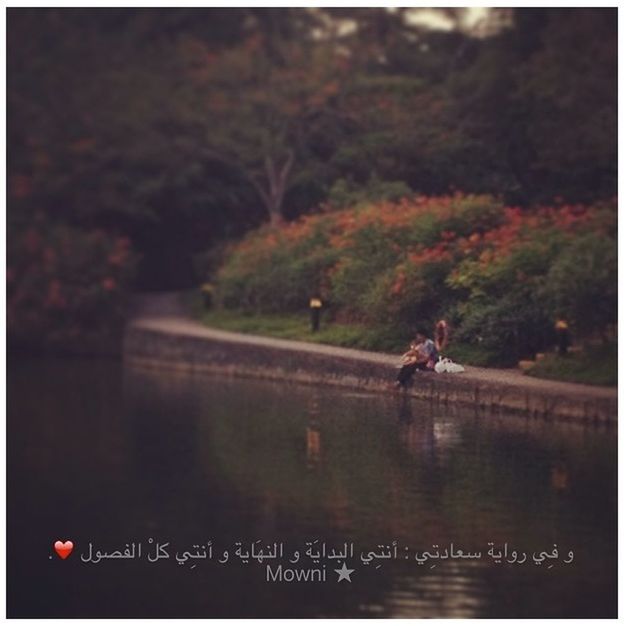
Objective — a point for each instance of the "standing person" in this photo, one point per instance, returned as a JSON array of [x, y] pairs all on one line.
[[441, 335]]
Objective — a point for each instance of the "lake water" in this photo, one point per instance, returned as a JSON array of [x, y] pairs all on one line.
[[213, 470]]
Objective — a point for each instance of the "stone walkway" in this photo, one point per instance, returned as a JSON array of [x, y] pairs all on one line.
[[163, 313]]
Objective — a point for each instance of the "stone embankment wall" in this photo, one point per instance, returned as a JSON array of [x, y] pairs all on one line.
[[186, 345]]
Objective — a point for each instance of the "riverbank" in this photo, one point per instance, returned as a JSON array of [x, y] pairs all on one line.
[[596, 365], [160, 335]]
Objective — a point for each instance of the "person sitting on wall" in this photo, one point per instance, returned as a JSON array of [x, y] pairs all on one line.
[[427, 350], [422, 355], [409, 364]]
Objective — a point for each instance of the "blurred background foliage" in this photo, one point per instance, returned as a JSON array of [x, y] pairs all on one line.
[[178, 131]]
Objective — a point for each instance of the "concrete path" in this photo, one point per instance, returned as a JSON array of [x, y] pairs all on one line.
[[164, 313]]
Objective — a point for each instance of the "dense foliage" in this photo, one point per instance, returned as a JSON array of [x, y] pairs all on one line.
[[499, 275], [67, 288], [181, 127]]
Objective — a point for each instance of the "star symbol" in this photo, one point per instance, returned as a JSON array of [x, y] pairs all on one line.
[[344, 573]]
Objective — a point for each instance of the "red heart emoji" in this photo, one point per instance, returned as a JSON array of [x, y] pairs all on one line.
[[63, 549]]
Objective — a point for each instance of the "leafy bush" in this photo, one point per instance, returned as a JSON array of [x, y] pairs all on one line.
[[582, 284], [66, 288], [500, 275], [597, 365]]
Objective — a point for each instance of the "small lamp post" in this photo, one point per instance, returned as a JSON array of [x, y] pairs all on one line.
[[207, 295], [315, 305], [563, 336]]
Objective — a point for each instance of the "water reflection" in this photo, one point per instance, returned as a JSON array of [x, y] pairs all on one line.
[[454, 590], [192, 458], [559, 476], [313, 433]]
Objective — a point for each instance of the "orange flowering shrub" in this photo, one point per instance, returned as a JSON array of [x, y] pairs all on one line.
[[400, 264]]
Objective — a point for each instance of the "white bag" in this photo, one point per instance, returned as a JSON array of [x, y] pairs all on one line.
[[454, 368], [446, 366]]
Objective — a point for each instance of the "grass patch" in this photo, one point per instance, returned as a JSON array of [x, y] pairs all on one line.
[[296, 326], [471, 355], [596, 365]]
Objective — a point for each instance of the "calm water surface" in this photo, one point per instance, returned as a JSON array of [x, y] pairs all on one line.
[[105, 455]]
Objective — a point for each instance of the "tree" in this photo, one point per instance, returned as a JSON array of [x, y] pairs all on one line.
[[255, 109], [186, 126], [566, 90]]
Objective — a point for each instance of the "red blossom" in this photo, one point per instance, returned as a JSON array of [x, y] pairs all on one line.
[[20, 186], [122, 243], [54, 298], [50, 256], [108, 283], [32, 240], [399, 283]]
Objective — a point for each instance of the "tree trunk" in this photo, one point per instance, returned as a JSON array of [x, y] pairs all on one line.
[[276, 178], [277, 185], [276, 217]]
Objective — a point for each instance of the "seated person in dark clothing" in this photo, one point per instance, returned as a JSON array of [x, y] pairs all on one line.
[[409, 364], [422, 355]]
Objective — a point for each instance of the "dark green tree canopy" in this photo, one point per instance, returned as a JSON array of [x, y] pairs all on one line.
[[183, 127]]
